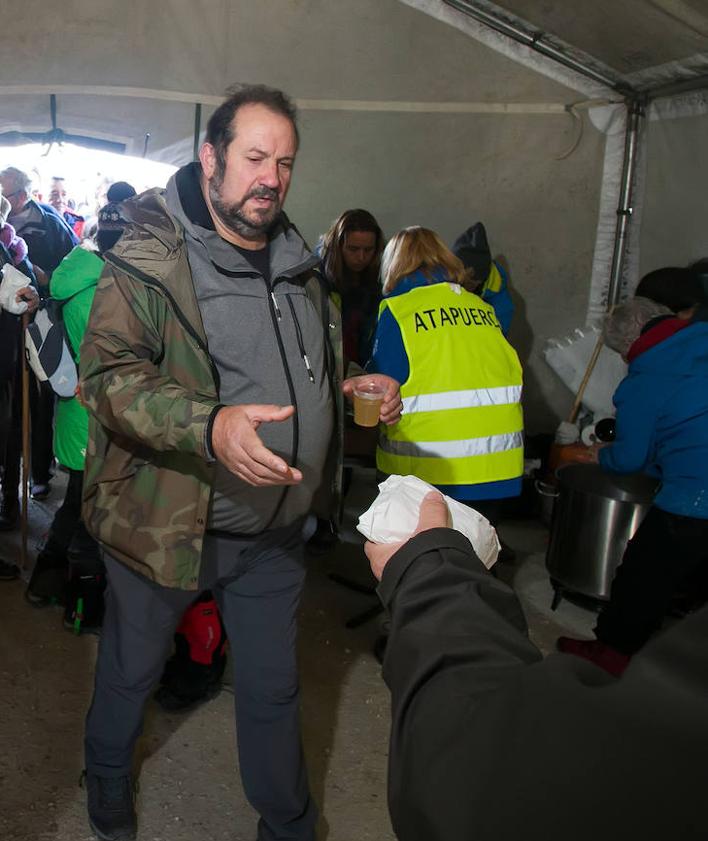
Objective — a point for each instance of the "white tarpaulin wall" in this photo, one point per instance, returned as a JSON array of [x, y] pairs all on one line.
[[407, 108], [674, 221]]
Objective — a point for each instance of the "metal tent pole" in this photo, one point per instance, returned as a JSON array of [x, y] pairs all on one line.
[[197, 130], [635, 115], [635, 102]]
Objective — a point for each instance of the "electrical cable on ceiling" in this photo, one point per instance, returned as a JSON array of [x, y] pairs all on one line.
[[572, 109], [577, 131]]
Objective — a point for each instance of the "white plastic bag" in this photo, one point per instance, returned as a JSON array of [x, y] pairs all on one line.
[[393, 517], [569, 358], [12, 281]]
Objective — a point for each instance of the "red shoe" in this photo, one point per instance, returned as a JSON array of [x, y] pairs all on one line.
[[597, 652]]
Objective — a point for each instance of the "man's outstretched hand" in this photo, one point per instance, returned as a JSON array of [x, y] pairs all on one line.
[[434, 514], [238, 447]]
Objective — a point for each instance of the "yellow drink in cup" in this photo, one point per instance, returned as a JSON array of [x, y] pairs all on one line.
[[368, 398]]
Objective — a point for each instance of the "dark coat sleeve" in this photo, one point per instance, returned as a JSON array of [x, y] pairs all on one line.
[[26, 268], [490, 741]]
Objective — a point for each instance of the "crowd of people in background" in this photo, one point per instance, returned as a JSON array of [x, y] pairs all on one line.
[[433, 318], [63, 265]]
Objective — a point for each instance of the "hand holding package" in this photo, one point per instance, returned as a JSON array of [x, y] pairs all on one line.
[[12, 281], [393, 517]]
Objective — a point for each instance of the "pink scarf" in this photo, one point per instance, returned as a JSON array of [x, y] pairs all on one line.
[[16, 246]]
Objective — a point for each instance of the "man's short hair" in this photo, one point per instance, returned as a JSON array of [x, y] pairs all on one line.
[[20, 179], [220, 128]]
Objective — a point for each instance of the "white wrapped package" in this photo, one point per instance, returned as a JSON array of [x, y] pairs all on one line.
[[393, 517], [12, 281]]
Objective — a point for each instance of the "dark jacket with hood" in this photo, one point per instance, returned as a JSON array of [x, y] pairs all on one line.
[[490, 742], [472, 248]]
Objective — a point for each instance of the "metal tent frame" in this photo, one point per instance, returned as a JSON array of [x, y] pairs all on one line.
[[635, 99]]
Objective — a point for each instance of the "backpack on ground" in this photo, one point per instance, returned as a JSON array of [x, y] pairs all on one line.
[[48, 350], [193, 674], [85, 586]]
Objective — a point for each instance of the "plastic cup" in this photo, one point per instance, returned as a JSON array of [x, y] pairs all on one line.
[[368, 398]]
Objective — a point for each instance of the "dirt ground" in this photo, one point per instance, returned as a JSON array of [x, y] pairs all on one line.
[[189, 786]]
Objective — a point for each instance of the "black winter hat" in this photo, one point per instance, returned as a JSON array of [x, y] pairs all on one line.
[[120, 191], [473, 249]]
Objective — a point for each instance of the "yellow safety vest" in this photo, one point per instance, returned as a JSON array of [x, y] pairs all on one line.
[[462, 421]]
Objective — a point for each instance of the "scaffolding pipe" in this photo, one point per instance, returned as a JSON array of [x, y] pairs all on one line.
[[197, 130], [534, 42], [635, 114]]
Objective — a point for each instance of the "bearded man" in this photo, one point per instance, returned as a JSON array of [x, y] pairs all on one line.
[[213, 371]]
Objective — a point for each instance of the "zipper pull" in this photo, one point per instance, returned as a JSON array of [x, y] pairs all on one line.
[[275, 305], [309, 369]]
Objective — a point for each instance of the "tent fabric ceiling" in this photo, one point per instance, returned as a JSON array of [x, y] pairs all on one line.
[[313, 49], [329, 56], [177, 53], [629, 36]]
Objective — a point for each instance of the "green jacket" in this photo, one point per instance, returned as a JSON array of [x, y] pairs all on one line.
[[150, 385], [74, 284]]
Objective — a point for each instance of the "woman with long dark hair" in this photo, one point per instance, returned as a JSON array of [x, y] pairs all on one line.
[[351, 257]]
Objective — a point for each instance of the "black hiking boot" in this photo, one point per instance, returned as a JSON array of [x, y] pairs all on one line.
[[111, 807]]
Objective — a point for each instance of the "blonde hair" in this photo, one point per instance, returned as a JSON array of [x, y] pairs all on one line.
[[420, 249]]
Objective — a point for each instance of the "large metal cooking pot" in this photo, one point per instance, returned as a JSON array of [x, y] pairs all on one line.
[[595, 516]]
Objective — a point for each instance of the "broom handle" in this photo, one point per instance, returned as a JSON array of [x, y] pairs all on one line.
[[588, 372], [25, 443]]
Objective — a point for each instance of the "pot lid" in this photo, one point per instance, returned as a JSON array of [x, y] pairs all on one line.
[[592, 479]]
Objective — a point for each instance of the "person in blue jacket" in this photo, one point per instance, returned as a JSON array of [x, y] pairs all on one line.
[[492, 279], [661, 429], [48, 237]]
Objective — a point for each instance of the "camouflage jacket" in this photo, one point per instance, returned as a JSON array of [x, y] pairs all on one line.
[[150, 386]]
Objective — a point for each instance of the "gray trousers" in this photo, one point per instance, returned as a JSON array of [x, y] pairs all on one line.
[[257, 584]]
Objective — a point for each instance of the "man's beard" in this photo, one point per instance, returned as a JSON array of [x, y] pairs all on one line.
[[232, 215]]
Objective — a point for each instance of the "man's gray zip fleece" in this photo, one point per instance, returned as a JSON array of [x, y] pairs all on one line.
[[266, 340]]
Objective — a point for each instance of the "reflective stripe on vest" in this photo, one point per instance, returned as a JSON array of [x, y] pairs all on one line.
[[462, 421], [500, 396], [455, 449]]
